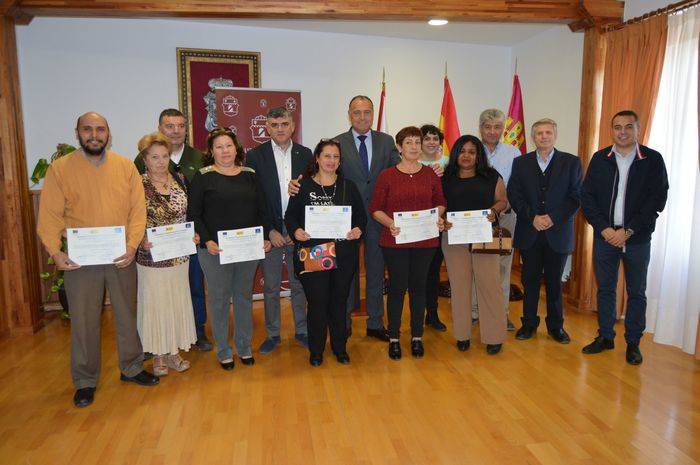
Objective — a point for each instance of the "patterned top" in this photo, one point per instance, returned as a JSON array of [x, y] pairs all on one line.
[[162, 209]]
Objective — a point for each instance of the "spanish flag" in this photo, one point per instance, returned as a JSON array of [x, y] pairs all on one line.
[[514, 133], [448, 119]]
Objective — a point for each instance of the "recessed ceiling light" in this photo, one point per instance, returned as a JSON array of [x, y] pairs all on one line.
[[437, 22]]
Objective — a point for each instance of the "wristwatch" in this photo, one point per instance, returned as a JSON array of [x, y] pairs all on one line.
[[628, 233]]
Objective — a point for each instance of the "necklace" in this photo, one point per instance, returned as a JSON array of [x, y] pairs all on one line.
[[326, 193], [165, 185]]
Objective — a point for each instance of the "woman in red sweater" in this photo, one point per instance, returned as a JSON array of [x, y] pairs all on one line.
[[406, 187]]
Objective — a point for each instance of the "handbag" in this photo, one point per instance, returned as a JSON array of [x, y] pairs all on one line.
[[319, 257], [502, 243]]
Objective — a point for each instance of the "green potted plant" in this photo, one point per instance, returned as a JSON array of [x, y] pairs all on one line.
[[54, 277]]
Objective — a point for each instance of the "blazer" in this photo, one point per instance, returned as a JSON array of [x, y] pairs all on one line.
[[189, 165], [645, 196], [262, 160], [563, 199], [384, 155]]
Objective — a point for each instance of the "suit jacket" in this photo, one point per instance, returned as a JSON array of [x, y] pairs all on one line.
[[384, 155], [262, 160], [190, 163], [562, 200]]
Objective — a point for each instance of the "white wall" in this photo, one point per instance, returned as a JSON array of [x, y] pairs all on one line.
[[634, 8], [126, 70], [549, 67]]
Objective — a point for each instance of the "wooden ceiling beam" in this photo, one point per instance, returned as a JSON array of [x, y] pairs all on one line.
[[518, 11]]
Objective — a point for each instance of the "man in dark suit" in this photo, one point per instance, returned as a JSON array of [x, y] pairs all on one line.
[[186, 160], [625, 189], [277, 162], [364, 154], [544, 190]]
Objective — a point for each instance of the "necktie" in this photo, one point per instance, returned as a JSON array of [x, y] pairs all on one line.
[[364, 157]]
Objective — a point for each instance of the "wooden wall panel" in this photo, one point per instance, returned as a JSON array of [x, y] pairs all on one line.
[[19, 271]]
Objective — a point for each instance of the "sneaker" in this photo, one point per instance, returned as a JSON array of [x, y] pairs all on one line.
[[269, 345], [203, 344]]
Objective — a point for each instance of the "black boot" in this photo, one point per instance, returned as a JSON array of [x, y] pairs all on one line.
[[433, 320]]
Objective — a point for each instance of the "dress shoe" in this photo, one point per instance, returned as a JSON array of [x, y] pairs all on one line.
[[433, 320], [269, 345], [343, 358], [203, 344], [84, 397], [378, 334], [227, 365], [598, 345], [525, 332], [247, 360], [302, 339], [633, 355], [417, 349], [395, 350], [509, 325], [493, 349], [463, 346], [144, 378], [316, 360], [560, 336]]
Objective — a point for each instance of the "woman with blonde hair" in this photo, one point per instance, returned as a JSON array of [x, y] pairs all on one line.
[[164, 306]]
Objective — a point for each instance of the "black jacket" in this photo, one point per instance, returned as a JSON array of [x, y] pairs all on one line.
[[262, 160], [645, 197], [563, 199]]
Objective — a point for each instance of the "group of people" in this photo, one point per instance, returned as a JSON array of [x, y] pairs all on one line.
[[159, 306]]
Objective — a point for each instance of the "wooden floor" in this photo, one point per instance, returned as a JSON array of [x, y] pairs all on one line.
[[536, 403]]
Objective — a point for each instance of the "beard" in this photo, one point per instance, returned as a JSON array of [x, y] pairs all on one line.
[[93, 151]]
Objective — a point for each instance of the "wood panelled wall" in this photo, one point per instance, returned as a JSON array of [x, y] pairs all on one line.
[[19, 271]]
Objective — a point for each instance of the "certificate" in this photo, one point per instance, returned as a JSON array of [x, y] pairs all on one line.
[[241, 245], [171, 241], [327, 222], [469, 227], [416, 226], [96, 246]]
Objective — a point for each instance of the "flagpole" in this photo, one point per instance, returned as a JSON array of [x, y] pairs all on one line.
[[445, 70]]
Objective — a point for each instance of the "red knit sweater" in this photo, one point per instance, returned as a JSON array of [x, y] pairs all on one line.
[[399, 192]]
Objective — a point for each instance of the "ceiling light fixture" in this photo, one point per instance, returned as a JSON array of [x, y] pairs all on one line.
[[437, 22]]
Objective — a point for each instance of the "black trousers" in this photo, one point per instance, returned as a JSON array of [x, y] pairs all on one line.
[[433, 282], [408, 270], [538, 260], [326, 296]]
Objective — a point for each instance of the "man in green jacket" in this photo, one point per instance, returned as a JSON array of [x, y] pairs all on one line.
[[186, 160]]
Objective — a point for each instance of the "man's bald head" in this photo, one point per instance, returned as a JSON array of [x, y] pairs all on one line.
[[92, 132]]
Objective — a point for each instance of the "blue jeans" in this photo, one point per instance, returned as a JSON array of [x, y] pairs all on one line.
[[606, 262], [197, 292]]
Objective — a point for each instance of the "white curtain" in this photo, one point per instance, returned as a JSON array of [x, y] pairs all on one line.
[[673, 289]]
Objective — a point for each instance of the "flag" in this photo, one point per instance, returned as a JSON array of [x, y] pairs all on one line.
[[381, 118], [514, 133], [448, 119]]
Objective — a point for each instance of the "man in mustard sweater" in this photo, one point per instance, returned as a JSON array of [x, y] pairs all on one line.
[[94, 187]]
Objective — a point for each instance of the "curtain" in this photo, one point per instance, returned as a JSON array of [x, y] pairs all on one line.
[[673, 289], [633, 63]]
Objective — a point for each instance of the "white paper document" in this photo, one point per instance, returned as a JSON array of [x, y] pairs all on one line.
[[416, 226], [96, 246], [241, 245], [327, 222], [171, 241], [469, 227]]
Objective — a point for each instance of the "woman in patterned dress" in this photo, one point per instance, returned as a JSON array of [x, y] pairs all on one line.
[[165, 317]]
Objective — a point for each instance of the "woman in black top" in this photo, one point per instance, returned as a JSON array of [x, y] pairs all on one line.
[[326, 291], [470, 183], [226, 195]]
